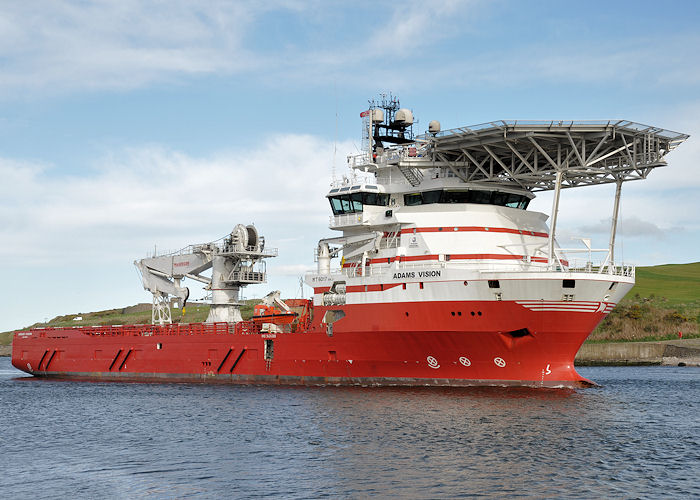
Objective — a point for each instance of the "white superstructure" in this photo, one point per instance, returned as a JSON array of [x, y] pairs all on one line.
[[456, 201]]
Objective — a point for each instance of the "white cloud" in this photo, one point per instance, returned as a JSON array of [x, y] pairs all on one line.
[[71, 239], [414, 26], [125, 44], [67, 46], [151, 195], [631, 226]]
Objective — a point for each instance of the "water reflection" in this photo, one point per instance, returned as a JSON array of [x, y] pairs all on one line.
[[638, 435]]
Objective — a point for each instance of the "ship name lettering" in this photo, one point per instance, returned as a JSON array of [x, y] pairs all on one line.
[[409, 274], [428, 274]]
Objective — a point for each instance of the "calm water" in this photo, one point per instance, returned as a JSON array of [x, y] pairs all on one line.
[[637, 436]]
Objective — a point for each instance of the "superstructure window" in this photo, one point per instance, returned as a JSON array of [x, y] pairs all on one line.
[[336, 205], [470, 196], [346, 205], [431, 196], [412, 199], [377, 199], [481, 197], [355, 202], [510, 200], [454, 197], [356, 199]]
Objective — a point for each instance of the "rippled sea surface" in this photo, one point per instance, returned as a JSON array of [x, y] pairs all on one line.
[[636, 436]]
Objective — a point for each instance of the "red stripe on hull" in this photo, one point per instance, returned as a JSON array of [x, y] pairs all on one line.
[[377, 344]]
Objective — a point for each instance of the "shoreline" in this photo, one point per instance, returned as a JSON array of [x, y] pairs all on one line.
[[682, 352]]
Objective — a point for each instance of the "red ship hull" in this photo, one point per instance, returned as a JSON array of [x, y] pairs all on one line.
[[437, 343]]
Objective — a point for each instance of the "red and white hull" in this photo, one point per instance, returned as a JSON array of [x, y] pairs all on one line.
[[443, 276], [436, 343]]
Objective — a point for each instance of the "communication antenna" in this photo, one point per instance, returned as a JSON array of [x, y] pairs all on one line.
[[335, 139]]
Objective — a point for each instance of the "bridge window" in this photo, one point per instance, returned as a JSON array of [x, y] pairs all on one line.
[[412, 199], [354, 203], [432, 196], [470, 196], [376, 199], [423, 198], [336, 205], [346, 205], [455, 197], [510, 200], [356, 199]]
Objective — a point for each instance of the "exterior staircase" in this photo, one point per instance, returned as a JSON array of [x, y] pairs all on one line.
[[412, 175]]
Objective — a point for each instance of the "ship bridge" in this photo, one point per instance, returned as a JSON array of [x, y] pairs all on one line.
[[525, 155]]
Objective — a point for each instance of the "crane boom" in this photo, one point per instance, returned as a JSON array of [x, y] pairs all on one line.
[[236, 260]]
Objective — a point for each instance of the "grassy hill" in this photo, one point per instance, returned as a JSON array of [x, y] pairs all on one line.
[[678, 283], [665, 300]]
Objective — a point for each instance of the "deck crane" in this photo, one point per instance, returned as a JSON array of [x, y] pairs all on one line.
[[236, 260]]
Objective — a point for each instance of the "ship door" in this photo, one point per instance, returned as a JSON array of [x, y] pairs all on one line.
[[269, 353], [269, 349]]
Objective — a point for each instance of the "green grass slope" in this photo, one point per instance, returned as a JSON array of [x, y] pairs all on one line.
[[678, 283]]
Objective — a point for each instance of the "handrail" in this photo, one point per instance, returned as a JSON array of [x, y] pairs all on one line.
[[520, 266], [219, 328]]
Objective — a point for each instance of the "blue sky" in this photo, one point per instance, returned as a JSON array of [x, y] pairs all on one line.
[[126, 125]]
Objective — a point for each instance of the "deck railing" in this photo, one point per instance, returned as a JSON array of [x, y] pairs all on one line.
[[240, 328], [493, 266]]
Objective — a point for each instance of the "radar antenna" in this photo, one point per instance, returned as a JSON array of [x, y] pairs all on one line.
[[386, 122]]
